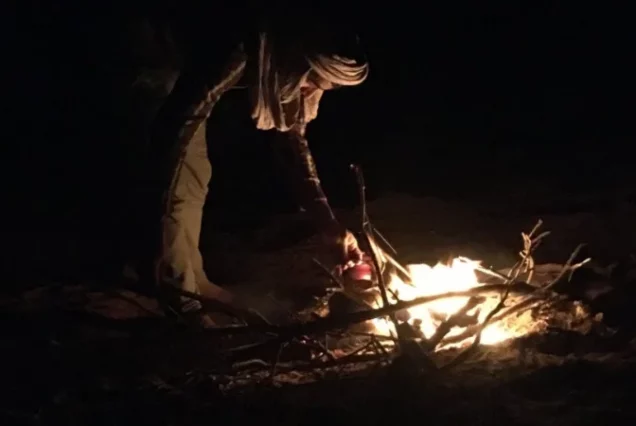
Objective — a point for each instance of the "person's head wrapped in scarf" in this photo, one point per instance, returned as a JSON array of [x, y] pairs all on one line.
[[297, 62]]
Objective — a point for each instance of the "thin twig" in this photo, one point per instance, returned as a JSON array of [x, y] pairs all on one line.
[[355, 352], [358, 350], [568, 266], [536, 228], [319, 345], [315, 342], [505, 313], [320, 325], [384, 240], [329, 274], [375, 336], [368, 242], [406, 275], [256, 364], [380, 347], [272, 372], [364, 218], [484, 270], [454, 320], [537, 297], [213, 304], [464, 355], [545, 290], [381, 283], [529, 245]]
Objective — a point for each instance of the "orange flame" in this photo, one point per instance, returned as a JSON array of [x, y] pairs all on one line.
[[459, 275]]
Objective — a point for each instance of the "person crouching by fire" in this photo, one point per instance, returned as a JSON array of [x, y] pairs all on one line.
[[287, 73]]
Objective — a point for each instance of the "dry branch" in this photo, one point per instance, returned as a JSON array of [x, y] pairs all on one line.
[[402, 272], [528, 303], [384, 240], [279, 336], [530, 243], [458, 319], [367, 229], [334, 279], [342, 321], [282, 367]]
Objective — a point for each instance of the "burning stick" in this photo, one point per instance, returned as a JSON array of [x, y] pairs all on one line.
[[527, 265], [458, 319], [342, 321], [470, 331], [449, 319], [404, 274], [366, 231], [486, 271]]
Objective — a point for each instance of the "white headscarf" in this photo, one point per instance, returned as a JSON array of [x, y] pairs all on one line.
[[277, 102]]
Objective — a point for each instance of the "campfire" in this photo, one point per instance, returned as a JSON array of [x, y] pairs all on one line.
[[453, 304], [419, 317], [415, 312], [460, 274]]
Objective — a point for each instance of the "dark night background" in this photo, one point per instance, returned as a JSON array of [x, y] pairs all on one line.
[[525, 107], [464, 98]]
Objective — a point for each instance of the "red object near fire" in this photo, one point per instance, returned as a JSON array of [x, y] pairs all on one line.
[[360, 272]]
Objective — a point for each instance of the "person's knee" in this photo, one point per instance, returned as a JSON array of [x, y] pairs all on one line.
[[191, 187], [191, 193], [184, 208]]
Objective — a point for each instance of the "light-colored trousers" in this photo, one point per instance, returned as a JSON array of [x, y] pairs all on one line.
[[180, 264]]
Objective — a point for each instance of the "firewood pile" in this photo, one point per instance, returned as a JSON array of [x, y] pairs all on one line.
[[456, 328], [384, 329]]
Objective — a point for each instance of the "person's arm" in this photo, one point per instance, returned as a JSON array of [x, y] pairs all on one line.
[[293, 151]]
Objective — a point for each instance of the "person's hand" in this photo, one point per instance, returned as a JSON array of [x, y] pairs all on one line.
[[343, 246]]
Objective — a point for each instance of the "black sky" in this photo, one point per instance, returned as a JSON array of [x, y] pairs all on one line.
[[460, 96]]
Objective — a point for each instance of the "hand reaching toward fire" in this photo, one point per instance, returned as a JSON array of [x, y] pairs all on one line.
[[343, 246]]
